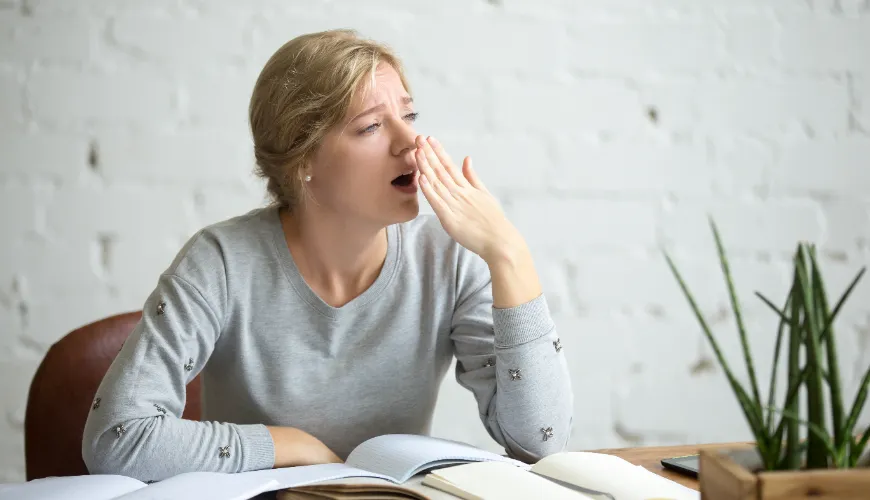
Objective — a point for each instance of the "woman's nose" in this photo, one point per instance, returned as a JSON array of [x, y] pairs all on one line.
[[406, 140]]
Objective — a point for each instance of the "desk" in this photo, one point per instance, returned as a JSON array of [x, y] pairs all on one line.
[[647, 456], [650, 457]]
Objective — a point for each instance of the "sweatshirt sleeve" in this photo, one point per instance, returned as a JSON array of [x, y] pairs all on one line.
[[512, 360], [134, 427]]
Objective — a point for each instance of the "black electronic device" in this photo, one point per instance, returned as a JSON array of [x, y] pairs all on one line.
[[687, 465]]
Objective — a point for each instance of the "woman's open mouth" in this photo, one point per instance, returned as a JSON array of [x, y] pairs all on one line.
[[407, 183]]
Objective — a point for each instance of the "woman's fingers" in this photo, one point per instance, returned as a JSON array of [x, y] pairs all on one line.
[[439, 168], [435, 180], [445, 160], [471, 175], [442, 210]]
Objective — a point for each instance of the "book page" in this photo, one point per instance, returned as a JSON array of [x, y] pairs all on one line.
[[89, 487], [355, 488], [244, 485], [611, 474], [414, 484], [211, 485], [486, 480], [401, 456], [292, 477]]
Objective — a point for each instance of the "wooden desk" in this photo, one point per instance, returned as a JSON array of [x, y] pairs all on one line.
[[650, 457]]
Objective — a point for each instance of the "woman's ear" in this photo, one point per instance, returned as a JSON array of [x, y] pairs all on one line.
[[305, 171]]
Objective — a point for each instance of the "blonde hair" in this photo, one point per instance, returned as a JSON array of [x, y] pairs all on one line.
[[305, 89]]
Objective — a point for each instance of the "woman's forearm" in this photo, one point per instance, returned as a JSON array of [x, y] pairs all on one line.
[[296, 447], [514, 278]]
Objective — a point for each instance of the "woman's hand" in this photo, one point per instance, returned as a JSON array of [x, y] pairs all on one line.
[[470, 214], [296, 447]]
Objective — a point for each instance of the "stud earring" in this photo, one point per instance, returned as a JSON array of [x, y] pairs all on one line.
[[307, 178]]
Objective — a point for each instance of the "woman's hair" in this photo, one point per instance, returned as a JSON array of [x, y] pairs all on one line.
[[305, 89]]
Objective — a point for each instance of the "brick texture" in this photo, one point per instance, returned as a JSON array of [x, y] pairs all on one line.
[[608, 129]]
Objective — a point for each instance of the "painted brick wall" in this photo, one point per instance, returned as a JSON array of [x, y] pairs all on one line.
[[608, 128]]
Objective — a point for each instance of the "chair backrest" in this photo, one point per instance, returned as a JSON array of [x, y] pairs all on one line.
[[63, 390]]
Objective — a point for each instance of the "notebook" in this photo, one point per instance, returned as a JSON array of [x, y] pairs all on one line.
[[561, 476], [361, 488], [394, 458]]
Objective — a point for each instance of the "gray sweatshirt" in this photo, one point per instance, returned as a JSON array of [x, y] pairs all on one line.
[[233, 307]]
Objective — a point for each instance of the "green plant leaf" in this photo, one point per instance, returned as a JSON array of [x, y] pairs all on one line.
[[858, 448], [771, 393], [842, 301], [790, 399], [781, 314], [796, 375], [751, 411], [815, 397], [783, 463], [833, 373], [858, 404], [738, 317], [784, 317], [792, 394], [814, 429], [754, 418]]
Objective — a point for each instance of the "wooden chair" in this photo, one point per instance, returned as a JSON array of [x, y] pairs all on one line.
[[63, 390]]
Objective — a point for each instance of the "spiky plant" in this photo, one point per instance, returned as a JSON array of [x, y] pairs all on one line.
[[806, 327]]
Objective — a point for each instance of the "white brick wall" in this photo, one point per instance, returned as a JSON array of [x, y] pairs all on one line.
[[608, 128]]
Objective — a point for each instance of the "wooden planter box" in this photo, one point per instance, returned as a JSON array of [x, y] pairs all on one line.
[[721, 478]]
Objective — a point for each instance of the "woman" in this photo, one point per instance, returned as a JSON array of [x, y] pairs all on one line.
[[333, 315]]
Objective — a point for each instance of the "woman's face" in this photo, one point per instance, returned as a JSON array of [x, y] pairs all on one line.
[[355, 171]]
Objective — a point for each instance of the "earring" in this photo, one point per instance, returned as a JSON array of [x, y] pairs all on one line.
[[307, 178]]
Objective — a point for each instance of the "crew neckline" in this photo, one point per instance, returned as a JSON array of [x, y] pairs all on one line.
[[309, 296]]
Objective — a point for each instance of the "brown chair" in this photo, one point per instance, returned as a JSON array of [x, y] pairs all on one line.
[[63, 390]]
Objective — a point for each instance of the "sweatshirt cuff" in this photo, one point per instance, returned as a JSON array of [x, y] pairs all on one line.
[[524, 323], [259, 449]]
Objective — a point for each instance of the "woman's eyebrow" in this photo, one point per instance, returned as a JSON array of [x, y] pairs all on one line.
[[405, 100]]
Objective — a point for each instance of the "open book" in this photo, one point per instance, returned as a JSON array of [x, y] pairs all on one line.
[[394, 458], [561, 476]]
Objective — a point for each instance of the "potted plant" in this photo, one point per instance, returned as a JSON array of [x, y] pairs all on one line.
[[801, 454]]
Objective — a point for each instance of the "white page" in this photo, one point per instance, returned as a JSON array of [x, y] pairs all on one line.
[[414, 484], [244, 485], [401, 456], [689, 492], [211, 485], [619, 477], [88, 487], [505, 482], [291, 477]]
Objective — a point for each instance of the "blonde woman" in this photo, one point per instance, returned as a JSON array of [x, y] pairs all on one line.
[[332, 315]]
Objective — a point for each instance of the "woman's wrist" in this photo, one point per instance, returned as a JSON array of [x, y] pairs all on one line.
[[295, 447]]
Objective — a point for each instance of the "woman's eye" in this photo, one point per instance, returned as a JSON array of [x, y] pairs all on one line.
[[374, 126]]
